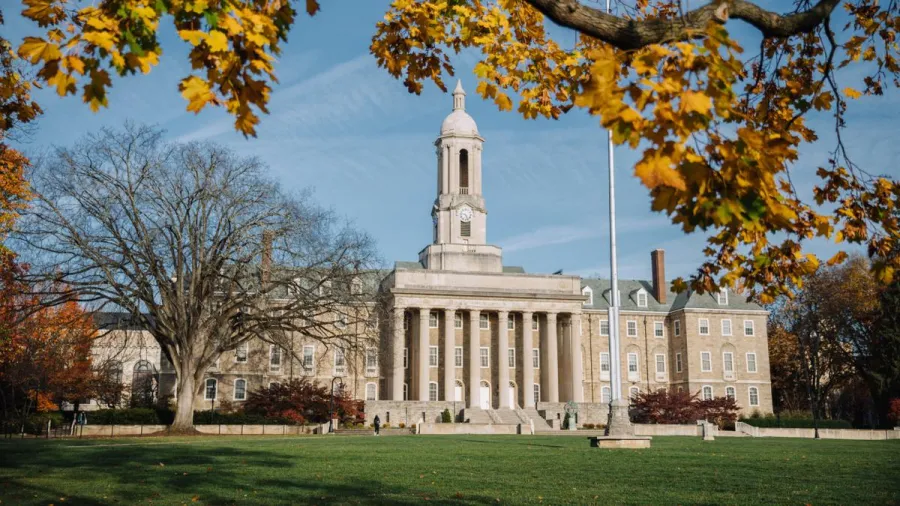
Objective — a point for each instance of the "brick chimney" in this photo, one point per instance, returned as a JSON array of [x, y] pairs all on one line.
[[265, 262], [658, 263]]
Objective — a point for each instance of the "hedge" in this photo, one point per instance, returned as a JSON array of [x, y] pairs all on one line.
[[796, 423], [130, 416], [217, 418]]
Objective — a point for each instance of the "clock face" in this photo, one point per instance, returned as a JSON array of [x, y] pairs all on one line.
[[465, 213]]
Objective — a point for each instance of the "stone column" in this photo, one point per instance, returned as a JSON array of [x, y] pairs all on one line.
[[552, 360], [474, 362], [527, 365], [502, 360], [576, 361], [424, 343], [449, 355], [397, 353]]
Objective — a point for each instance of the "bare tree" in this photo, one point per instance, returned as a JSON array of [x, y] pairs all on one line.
[[198, 244]]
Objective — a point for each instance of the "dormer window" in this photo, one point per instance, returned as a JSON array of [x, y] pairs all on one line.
[[586, 291], [722, 298], [642, 298]]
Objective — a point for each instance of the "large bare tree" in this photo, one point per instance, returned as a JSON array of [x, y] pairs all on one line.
[[198, 244]]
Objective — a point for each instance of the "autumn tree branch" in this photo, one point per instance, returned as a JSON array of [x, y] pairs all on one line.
[[634, 34]]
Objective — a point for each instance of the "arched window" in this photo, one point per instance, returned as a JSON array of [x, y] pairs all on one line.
[[633, 392], [211, 389], [707, 393], [729, 392], [605, 394], [754, 396], [463, 172], [371, 392], [405, 392], [143, 384], [432, 391], [537, 393], [240, 389]]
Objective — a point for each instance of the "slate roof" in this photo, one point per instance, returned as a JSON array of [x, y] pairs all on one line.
[[628, 289]]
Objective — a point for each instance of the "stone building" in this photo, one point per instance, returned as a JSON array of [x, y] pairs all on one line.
[[493, 343]]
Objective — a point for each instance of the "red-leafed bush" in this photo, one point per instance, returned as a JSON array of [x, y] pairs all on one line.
[[302, 401], [894, 411], [665, 407]]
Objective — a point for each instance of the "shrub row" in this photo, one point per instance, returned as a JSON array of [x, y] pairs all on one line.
[[796, 423], [147, 416]]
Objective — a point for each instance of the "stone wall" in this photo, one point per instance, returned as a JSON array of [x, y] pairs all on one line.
[[471, 428], [118, 430], [588, 412], [857, 434], [411, 412], [641, 429]]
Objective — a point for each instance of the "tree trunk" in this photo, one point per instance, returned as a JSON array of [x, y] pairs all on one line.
[[184, 409]]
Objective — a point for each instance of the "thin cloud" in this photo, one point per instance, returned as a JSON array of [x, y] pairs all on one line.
[[548, 236]]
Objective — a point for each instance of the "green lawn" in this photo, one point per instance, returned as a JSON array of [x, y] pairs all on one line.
[[446, 469]]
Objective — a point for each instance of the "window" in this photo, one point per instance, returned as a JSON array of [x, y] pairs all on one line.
[[432, 320], [660, 363], [211, 387], [729, 392], [751, 362], [340, 321], [535, 358], [308, 358], [604, 327], [748, 328], [274, 384], [633, 392], [406, 358], [485, 357], [458, 321], [463, 172], [240, 389], [677, 325], [659, 329], [604, 366], [631, 326], [340, 362], [405, 322], [605, 395], [642, 299], [405, 392], [587, 292], [722, 298], [511, 323], [728, 361], [274, 358], [465, 228], [432, 391], [726, 327], [371, 392], [633, 366], [483, 322], [704, 327], [754, 396], [707, 393], [705, 361], [432, 356], [678, 365], [458, 356], [240, 353], [534, 322], [371, 361], [511, 357], [537, 393]]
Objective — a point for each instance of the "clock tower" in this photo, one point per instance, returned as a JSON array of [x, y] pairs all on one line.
[[459, 215]]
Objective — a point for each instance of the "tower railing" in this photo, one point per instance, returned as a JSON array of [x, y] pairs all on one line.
[[463, 190]]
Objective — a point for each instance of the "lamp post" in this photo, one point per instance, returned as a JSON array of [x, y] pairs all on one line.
[[331, 405]]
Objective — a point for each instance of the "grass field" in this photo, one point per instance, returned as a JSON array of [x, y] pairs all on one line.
[[446, 469]]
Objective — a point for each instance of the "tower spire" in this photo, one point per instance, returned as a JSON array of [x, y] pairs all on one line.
[[459, 97]]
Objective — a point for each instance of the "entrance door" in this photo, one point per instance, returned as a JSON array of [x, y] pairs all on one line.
[[512, 396], [485, 396], [458, 392]]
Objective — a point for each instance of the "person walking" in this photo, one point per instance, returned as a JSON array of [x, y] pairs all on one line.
[[377, 423]]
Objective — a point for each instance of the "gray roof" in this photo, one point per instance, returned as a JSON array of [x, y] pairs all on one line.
[[410, 266], [628, 289]]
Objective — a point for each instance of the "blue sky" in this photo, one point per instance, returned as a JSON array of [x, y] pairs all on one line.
[[345, 128]]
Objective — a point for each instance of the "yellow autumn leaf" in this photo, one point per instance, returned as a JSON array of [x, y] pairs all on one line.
[[104, 40], [217, 41], [503, 102], [36, 49], [692, 101], [312, 7], [657, 169], [195, 37], [196, 91], [65, 84], [850, 92], [839, 257]]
